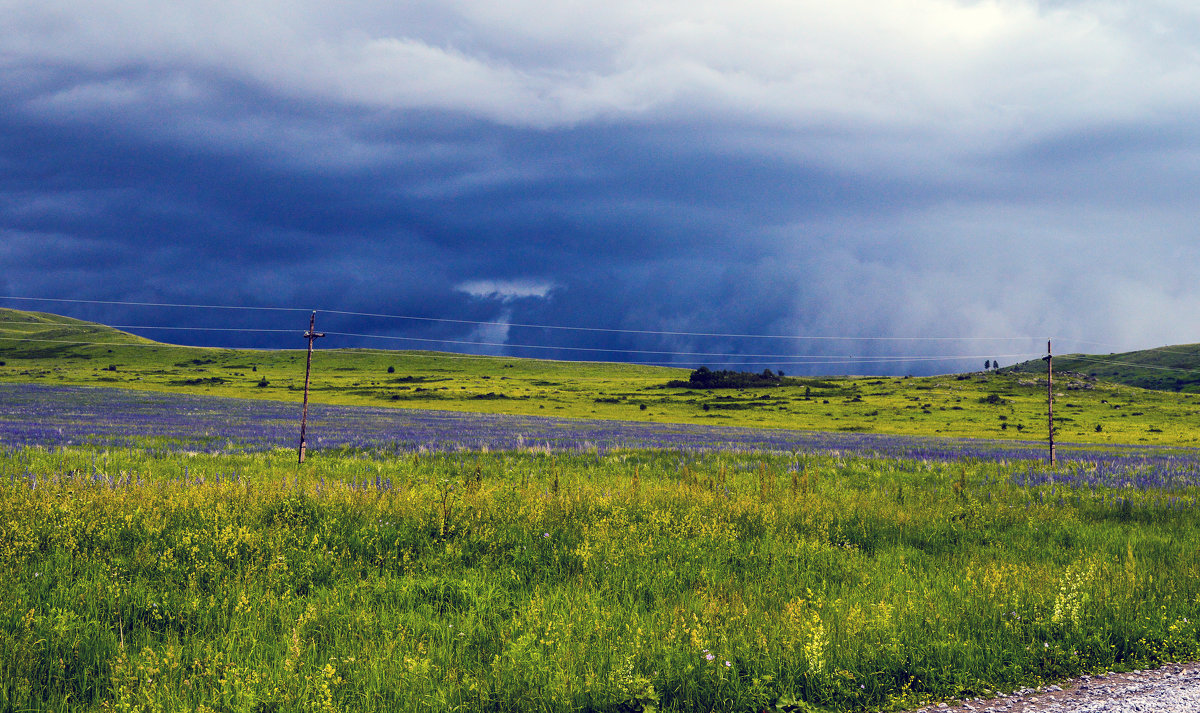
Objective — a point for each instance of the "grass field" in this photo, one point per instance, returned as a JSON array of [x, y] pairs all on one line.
[[1006, 405], [160, 551], [524, 581]]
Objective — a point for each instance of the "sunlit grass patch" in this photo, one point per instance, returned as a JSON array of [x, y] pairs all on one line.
[[534, 581]]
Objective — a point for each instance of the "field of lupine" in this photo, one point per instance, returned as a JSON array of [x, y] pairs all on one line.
[[166, 552], [56, 416]]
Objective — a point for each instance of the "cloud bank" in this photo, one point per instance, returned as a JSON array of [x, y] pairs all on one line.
[[868, 171]]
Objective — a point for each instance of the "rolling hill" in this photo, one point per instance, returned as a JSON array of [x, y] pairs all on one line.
[[39, 335], [1173, 368]]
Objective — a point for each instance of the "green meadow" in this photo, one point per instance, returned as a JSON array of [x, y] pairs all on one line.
[[1009, 404], [534, 582], [630, 580]]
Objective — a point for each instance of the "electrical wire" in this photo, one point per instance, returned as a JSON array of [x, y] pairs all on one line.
[[526, 346], [743, 358], [148, 326], [1099, 360], [152, 345], [777, 358], [646, 351], [1156, 350], [484, 323], [151, 304], [668, 333], [797, 360]]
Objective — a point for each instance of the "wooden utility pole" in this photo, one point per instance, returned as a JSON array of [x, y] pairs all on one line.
[[311, 335], [1049, 359]]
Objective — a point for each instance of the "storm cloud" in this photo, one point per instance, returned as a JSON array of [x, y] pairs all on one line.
[[766, 183]]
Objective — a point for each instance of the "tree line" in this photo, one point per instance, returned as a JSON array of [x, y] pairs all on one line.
[[705, 378]]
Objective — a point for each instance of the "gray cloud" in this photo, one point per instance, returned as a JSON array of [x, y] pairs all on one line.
[[853, 169]]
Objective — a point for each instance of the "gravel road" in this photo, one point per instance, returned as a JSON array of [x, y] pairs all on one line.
[[1174, 688]]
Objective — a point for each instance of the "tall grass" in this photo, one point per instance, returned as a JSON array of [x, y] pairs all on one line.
[[532, 582]]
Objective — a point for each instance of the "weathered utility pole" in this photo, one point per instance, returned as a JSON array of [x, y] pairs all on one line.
[[1049, 359], [311, 335]]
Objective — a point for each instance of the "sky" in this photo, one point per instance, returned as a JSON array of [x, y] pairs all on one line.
[[861, 186]]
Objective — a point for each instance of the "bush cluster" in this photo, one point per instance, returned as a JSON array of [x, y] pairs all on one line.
[[704, 378]]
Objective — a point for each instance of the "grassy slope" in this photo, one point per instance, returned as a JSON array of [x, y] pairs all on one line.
[[1174, 368], [952, 405]]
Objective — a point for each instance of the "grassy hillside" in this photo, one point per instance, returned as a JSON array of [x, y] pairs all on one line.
[[42, 336], [1010, 404], [1174, 368]]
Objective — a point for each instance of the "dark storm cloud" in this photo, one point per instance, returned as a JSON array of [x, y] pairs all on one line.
[[841, 170]]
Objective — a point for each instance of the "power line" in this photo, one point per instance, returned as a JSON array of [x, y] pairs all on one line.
[[150, 304], [789, 359], [1156, 350], [743, 359], [485, 323], [148, 326], [819, 361], [151, 345], [431, 340], [779, 358], [1085, 341], [264, 330], [669, 333], [1100, 360], [647, 351]]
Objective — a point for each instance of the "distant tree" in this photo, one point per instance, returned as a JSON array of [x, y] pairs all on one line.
[[987, 364], [391, 370], [995, 364]]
